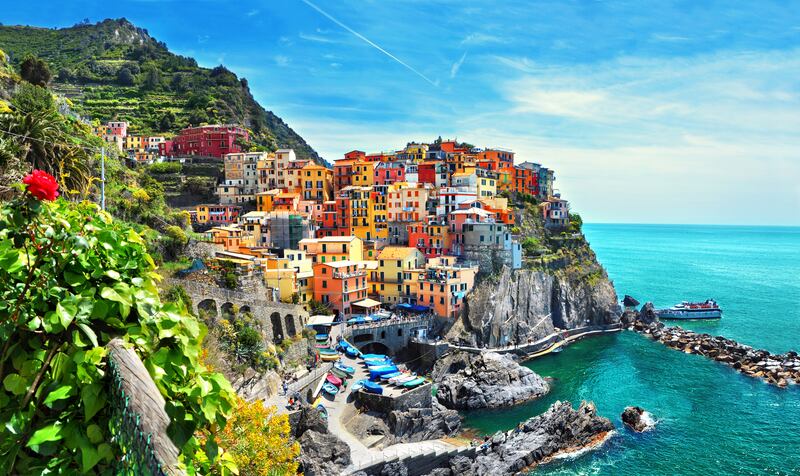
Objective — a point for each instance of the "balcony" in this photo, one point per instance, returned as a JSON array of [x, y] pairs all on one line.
[[353, 274]]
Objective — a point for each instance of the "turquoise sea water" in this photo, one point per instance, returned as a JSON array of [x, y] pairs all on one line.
[[712, 420]]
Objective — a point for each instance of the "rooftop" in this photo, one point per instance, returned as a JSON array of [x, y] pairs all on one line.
[[396, 252]]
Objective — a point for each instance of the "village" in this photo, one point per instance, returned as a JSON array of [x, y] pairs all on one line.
[[402, 230]]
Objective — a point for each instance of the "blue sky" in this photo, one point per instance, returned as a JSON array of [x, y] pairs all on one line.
[[657, 112]]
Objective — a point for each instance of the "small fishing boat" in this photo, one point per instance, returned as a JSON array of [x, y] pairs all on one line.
[[322, 337], [358, 385], [386, 377], [326, 350], [402, 379], [373, 387], [374, 356], [378, 363], [351, 352], [692, 310], [340, 373], [414, 383], [344, 368], [330, 388], [379, 368], [329, 357], [376, 374], [322, 411], [332, 379]]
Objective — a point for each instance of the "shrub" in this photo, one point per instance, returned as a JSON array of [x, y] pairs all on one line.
[[35, 71], [71, 280], [165, 168]]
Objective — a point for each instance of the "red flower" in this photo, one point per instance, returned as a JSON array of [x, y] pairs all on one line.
[[41, 185]]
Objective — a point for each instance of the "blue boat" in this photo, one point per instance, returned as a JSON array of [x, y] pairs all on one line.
[[376, 374], [351, 352], [373, 387], [358, 385], [330, 388], [323, 411], [386, 377], [383, 366], [344, 368], [374, 356], [322, 337]]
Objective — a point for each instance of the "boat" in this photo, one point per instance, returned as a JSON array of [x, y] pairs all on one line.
[[322, 411], [402, 379], [351, 352], [358, 385], [692, 310], [378, 363], [334, 380], [340, 373], [330, 388], [386, 377], [327, 350], [373, 387], [322, 337], [413, 383], [329, 357], [376, 374], [344, 368], [379, 368], [374, 356]]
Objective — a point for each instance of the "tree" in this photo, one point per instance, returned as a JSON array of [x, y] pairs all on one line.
[[152, 78], [125, 77], [35, 71], [167, 122]]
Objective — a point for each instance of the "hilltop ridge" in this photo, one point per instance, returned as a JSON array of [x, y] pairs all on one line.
[[115, 70]]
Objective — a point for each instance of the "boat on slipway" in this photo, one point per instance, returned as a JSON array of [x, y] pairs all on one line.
[[691, 310]]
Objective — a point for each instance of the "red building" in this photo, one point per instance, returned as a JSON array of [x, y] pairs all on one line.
[[387, 173], [526, 179], [328, 225], [343, 169], [432, 238], [433, 172], [205, 141]]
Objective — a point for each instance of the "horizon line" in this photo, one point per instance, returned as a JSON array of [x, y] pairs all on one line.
[[689, 224]]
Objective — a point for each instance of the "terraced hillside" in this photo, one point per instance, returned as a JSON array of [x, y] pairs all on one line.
[[114, 69]]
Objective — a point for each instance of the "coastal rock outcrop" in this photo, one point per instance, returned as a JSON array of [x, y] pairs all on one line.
[[781, 370], [321, 453], [560, 429], [486, 380], [637, 419], [418, 424], [518, 306]]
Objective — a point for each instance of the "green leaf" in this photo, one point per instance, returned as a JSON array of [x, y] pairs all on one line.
[[74, 279], [89, 333], [15, 384], [89, 457], [94, 433], [66, 313], [93, 400], [43, 435], [112, 274], [60, 393], [11, 260]]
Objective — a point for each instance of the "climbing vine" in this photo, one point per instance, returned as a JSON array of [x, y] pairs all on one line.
[[71, 279]]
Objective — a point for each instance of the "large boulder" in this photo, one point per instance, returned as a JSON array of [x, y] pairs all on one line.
[[323, 454], [637, 419], [485, 380], [648, 313], [560, 429]]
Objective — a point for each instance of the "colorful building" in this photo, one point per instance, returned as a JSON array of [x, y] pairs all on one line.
[[342, 285], [388, 280], [316, 183], [442, 285], [331, 249], [205, 141], [217, 214], [431, 237]]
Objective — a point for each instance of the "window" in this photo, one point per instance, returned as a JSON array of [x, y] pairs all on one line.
[[325, 284], [399, 332]]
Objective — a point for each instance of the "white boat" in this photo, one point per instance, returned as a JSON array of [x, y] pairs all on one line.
[[692, 310], [404, 379]]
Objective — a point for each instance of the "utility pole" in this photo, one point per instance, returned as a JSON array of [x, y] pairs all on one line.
[[102, 178]]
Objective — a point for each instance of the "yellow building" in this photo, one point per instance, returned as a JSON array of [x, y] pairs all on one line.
[[389, 279], [333, 248], [362, 213], [265, 201], [406, 202], [487, 183], [134, 142], [290, 272], [316, 182], [363, 174], [379, 202]]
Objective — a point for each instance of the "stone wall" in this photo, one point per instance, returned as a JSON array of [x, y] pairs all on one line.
[[419, 397], [396, 336]]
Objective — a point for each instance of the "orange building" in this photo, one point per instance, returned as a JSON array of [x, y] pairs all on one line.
[[443, 285], [341, 285], [316, 182], [500, 161]]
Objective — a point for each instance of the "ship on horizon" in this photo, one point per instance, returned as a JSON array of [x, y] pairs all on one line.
[[692, 310]]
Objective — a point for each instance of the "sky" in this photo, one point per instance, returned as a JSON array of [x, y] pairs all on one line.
[[649, 112]]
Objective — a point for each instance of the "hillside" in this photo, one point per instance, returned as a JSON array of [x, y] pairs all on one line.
[[114, 69]]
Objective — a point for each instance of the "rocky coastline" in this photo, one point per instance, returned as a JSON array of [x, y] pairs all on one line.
[[468, 381], [780, 370], [637, 419], [321, 452]]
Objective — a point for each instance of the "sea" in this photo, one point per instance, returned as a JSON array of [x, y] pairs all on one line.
[[711, 420]]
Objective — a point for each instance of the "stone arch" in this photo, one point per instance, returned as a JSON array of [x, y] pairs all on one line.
[[363, 337], [227, 310], [291, 330], [277, 327], [209, 308], [376, 348], [245, 309]]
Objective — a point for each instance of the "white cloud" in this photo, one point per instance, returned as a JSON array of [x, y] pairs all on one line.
[[478, 38], [316, 38], [281, 60], [457, 65]]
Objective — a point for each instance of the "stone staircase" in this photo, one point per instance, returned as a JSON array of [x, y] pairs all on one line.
[[420, 458]]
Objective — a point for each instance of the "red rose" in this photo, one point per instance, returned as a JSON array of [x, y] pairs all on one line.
[[41, 185]]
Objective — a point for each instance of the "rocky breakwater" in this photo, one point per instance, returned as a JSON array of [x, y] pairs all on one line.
[[638, 419], [781, 370], [469, 381]]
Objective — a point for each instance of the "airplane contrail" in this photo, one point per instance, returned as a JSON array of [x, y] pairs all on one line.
[[368, 41]]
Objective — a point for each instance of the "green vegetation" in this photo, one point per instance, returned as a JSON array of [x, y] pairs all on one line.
[[114, 70], [71, 280], [35, 71], [240, 339], [165, 168]]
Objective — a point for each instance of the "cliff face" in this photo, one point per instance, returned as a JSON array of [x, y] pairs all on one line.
[[528, 304]]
